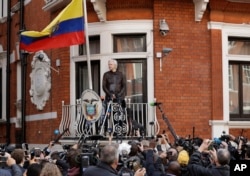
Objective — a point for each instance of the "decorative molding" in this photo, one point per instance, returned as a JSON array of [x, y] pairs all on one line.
[[3, 19], [100, 9], [40, 80], [53, 5], [240, 1], [16, 7], [200, 8], [3, 53]]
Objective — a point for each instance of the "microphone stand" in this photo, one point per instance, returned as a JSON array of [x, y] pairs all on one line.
[[168, 123]]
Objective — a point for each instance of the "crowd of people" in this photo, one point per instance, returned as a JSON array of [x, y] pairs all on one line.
[[144, 157]]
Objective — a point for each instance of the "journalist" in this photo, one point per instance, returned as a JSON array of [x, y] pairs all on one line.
[[11, 168], [108, 163], [220, 161]]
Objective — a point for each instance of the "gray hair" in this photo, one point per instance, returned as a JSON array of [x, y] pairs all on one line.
[[114, 61], [109, 154], [223, 156]]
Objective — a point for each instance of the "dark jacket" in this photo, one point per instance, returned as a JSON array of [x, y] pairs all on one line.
[[101, 169], [114, 83], [5, 172], [14, 170], [153, 164], [63, 166], [196, 168]]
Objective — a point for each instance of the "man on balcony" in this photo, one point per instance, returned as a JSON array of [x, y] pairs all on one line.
[[114, 86], [114, 83]]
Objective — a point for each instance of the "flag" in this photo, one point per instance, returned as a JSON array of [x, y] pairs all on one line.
[[65, 30]]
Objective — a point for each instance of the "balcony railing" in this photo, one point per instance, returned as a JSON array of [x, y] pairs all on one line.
[[122, 121]]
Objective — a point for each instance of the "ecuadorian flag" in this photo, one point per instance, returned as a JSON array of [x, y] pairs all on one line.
[[65, 30]]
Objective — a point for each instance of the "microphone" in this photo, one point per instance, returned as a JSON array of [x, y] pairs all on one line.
[[155, 104]]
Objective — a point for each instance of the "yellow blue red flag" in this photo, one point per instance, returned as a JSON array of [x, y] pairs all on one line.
[[65, 30]]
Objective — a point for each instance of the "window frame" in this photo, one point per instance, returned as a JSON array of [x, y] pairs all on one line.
[[106, 31], [240, 115], [3, 62], [230, 31], [3, 10]]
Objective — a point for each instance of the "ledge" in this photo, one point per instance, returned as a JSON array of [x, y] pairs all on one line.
[[231, 124]]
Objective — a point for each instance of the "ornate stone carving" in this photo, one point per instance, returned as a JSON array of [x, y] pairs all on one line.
[[100, 9], [200, 8], [40, 79]]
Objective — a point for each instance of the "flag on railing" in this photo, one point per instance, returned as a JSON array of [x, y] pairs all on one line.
[[65, 30]]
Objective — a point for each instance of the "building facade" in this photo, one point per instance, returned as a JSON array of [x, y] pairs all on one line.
[[198, 66]]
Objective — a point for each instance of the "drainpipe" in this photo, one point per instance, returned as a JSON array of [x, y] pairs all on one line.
[[8, 74], [23, 76]]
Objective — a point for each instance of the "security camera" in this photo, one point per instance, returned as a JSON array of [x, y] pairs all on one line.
[[164, 29], [163, 33], [166, 50]]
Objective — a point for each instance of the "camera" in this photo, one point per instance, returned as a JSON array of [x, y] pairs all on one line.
[[164, 29], [35, 152], [84, 162], [163, 32], [3, 159]]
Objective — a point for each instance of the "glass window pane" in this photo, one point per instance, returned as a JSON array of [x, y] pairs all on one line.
[[239, 46], [233, 89], [246, 88], [130, 43], [3, 8], [1, 89], [135, 85], [82, 79], [94, 46]]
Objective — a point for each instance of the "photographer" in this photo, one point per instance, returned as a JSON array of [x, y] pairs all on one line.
[[11, 169], [74, 162], [61, 164], [219, 161], [19, 156], [109, 159]]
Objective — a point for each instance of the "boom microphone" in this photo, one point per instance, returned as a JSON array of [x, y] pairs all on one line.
[[155, 104]]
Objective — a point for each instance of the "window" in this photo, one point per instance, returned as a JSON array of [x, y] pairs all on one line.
[[3, 9], [94, 46], [82, 80], [1, 88], [130, 43], [239, 78], [135, 71], [240, 96], [239, 45], [3, 60]]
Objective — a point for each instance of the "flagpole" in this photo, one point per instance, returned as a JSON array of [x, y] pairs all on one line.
[[87, 43]]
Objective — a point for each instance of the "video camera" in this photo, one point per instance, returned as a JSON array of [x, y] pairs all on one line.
[[36, 152], [215, 144], [3, 158]]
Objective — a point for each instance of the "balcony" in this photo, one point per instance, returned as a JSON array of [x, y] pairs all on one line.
[[122, 122]]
